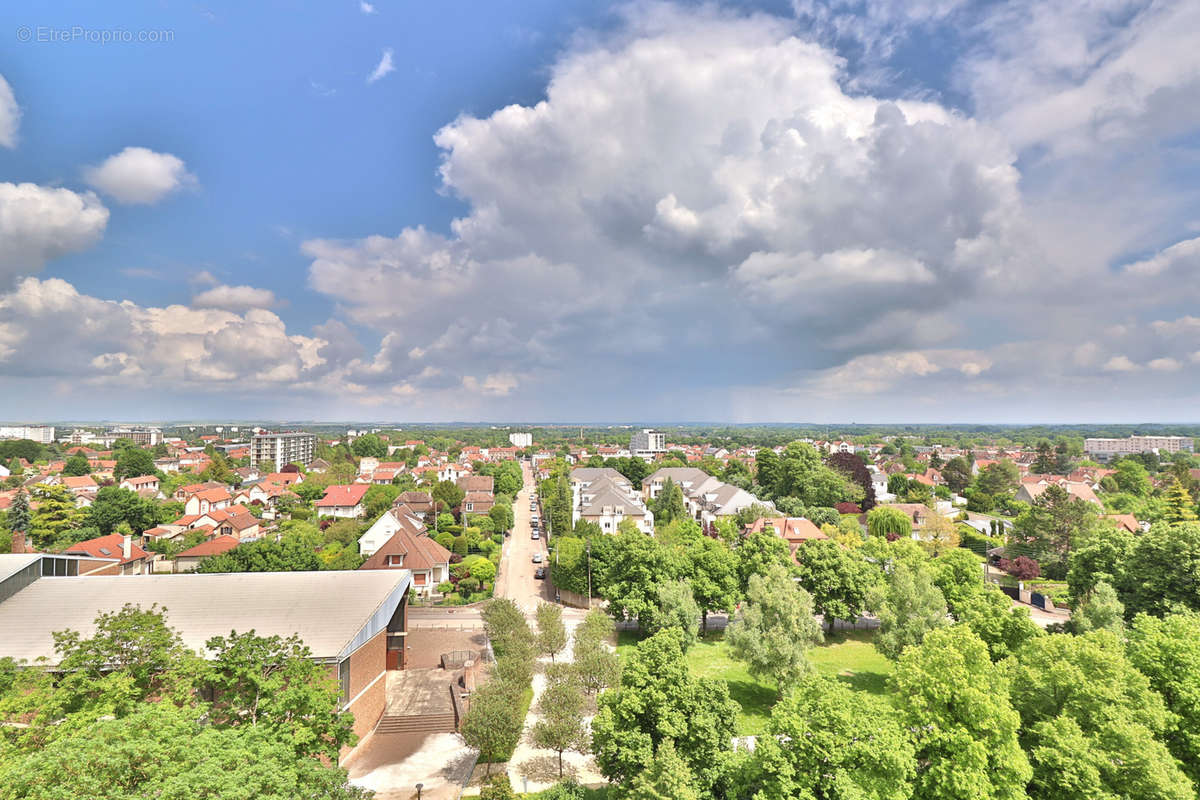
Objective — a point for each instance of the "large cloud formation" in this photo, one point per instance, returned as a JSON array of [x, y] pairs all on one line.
[[713, 214], [39, 223], [694, 182]]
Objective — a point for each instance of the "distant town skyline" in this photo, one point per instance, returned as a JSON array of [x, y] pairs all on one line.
[[957, 212]]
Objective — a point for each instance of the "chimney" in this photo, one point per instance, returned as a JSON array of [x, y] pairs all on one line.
[[126, 546], [18, 542]]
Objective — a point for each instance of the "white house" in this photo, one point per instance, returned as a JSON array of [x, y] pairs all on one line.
[[344, 501]]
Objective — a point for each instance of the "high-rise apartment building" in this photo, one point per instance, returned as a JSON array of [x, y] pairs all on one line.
[[43, 434], [647, 444], [521, 440], [288, 447]]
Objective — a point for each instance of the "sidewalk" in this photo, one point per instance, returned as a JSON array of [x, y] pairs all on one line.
[[531, 769]]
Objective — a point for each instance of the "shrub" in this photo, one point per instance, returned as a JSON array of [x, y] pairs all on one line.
[[498, 538], [483, 570], [497, 787], [461, 546], [975, 541], [1023, 568], [445, 539], [445, 587], [468, 585]]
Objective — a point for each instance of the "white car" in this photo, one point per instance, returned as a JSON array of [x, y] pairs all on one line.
[[537, 558]]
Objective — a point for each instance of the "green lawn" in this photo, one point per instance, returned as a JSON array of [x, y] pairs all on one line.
[[848, 656]]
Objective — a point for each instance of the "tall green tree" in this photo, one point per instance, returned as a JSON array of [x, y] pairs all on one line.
[[837, 579], [957, 474], [659, 699], [825, 740], [677, 610], [551, 632], [77, 465], [1000, 478], [1099, 610], [714, 577], [775, 629], [668, 506], [1162, 572], [1179, 504], [369, 445], [758, 553], [954, 701], [493, 724], [1091, 723], [19, 519], [1167, 652], [668, 777], [1049, 528], [1043, 462], [909, 607], [636, 565], [990, 614], [561, 725], [55, 513], [887, 521], [133, 462]]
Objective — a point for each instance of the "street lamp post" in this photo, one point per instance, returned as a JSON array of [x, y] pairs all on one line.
[[589, 560], [420, 786]]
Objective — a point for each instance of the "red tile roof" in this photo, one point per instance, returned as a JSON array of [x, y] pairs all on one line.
[[213, 547], [110, 546], [342, 495]]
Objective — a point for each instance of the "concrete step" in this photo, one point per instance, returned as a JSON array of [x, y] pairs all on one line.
[[420, 723]]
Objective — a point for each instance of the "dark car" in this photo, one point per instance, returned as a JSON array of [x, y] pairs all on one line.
[[540, 573]]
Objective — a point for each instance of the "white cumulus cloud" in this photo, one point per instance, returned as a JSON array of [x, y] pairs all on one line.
[[235, 298], [139, 176], [39, 223]]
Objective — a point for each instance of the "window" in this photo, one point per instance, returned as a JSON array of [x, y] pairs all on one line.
[[395, 561], [344, 680]]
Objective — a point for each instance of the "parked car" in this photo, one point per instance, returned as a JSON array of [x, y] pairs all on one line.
[[540, 573], [535, 535], [537, 558]]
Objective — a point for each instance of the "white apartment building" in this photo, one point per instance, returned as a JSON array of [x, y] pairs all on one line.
[[142, 437], [1106, 449], [282, 448], [647, 443], [42, 434], [521, 440]]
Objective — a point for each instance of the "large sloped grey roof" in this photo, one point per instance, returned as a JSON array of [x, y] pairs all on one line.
[[334, 612]]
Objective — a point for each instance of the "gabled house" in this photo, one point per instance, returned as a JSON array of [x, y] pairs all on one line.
[[793, 530], [208, 500], [343, 501], [420, 503], [477, 483], [191, 558], [140, 483], [428, 561], [477, 502], [397, 518], [111, 555]]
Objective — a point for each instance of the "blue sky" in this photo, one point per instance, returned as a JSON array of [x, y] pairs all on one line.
[[943, 210]]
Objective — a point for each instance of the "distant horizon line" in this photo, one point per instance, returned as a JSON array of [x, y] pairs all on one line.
[[395, 425]]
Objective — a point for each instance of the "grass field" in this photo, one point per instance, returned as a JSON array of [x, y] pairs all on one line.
[[848, 656]]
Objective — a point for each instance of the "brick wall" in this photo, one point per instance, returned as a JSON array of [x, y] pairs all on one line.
[[366, 664]]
